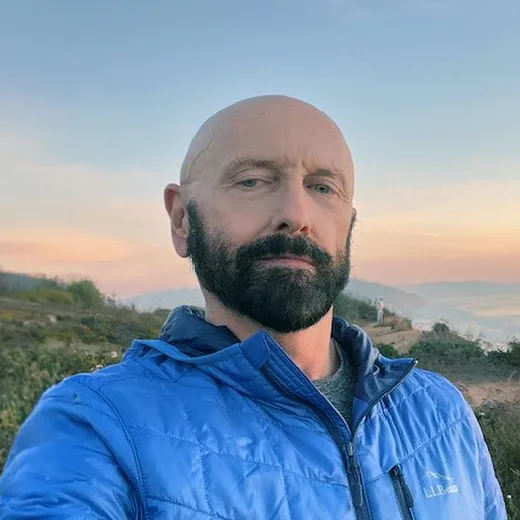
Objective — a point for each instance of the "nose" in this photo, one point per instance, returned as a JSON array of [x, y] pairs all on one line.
[[292, 213]]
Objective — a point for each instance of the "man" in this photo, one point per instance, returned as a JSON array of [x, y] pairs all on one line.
[[380, 308], [263, 406]]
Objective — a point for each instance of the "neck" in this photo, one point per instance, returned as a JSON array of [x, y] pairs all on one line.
[[311, 349]]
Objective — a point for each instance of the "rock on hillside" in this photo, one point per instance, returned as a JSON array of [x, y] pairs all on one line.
[[402, 341]]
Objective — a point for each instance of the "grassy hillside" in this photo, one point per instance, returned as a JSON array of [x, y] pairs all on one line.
[[50, 330]]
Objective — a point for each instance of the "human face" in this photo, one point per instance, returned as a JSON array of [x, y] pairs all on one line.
[[270, 178]]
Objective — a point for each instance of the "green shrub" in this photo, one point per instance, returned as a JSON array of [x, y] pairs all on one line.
[[28, 372], [83, 293], [500, 428], [450, 351], [86, 294], [47, 295], [354, 310], [513, 352], [399, 324], [499, 357], [441, 330], [18, 334], [388, 350]]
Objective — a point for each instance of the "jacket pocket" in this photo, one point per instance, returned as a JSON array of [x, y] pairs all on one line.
[[402, 492]]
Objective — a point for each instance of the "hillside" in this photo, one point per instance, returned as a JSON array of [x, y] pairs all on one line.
[[361, 289], [50, 330]]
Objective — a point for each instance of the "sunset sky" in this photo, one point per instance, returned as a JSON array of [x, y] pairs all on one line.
[[99, 100]]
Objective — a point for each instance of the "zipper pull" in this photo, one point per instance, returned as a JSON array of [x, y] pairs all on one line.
[[357, 490], [407, 494], [350, 449]]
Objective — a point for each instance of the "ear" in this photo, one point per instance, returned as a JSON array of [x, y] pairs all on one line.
[[174, 204], [353, 220]]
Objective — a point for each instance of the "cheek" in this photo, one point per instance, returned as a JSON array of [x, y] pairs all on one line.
[[241, 222], [333, 231]]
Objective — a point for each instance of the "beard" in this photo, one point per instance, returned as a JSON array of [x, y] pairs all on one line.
[[281, 298]]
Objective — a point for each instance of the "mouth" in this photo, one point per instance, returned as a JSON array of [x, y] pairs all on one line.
[[289, 260]]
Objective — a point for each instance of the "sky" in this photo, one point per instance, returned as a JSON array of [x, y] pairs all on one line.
[[100, 99]]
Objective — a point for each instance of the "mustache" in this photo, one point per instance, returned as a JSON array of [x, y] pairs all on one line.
[[281, 245]]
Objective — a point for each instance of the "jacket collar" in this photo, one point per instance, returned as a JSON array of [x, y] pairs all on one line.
[[187, 337], [187, 329]]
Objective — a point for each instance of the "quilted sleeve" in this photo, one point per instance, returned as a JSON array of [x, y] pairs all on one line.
[[60, 465]]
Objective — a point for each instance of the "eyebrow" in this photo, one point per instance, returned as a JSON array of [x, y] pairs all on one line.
[[276, 165], [248, 162]]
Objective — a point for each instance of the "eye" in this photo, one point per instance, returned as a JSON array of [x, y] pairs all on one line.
[[252, 183], [249, 183], [324, 189]]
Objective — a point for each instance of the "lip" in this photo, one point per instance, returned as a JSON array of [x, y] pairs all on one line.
[[290, 260]]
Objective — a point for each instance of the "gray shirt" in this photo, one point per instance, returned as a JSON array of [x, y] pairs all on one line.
[[338, 388]]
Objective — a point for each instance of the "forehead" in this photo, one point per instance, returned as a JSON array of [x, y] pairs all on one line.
[[288, 134]]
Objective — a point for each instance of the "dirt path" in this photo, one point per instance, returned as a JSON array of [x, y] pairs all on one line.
[[401, 340], [492, 394]]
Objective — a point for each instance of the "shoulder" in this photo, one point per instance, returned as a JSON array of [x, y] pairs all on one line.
[[81, 402], [116, 386], [92, 385], [430, 415], [428, 404], [435, 388], [433, 383], [103, 404]]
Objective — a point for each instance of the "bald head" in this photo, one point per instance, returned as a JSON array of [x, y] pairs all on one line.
[[267, 128], [266, 170]]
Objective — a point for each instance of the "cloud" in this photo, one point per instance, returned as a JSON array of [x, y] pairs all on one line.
[[62, 246], [460, 219], [416, 269]]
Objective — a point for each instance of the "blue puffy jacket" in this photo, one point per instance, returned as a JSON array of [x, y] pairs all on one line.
[[197, 425]]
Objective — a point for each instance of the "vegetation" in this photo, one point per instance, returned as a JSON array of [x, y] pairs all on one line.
[[52, 290], [500, 427], [28, 372], [354, 310], [50, 330]]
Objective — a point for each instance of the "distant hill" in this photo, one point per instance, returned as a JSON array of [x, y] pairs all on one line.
[[397, 299], [19, 282], [167, 299], [468, 289]]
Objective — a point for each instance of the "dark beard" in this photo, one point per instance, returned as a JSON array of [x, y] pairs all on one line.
[[280, 298]]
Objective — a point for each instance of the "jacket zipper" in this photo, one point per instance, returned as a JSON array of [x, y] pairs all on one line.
[[347, 449], [403, 493], [356, 483]]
